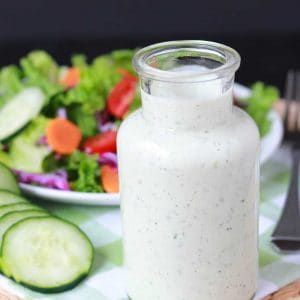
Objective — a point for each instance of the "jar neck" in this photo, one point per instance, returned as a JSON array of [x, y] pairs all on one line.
[[187, 106]]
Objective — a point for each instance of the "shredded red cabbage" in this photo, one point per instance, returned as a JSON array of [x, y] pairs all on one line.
[[56, 180], [104, 124], [57, 156], [102, 116], [88, 150], [4, 147], [62, 113], [107, 127], [109, 158], [42, 140]]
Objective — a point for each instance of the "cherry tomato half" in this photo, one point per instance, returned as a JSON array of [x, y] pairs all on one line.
[[102, 142], [121, 96]]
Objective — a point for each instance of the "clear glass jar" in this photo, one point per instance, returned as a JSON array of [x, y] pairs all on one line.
[[189, 178]]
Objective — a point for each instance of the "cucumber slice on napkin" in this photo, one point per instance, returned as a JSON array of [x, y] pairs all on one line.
[[59, 258], [8, 180], [4, 209], [12, 218], [20, 110], [10, 198]]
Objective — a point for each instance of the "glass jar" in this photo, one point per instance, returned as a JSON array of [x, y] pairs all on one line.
[[189, 178]]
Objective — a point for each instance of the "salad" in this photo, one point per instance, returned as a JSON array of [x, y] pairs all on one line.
[[58, 124]]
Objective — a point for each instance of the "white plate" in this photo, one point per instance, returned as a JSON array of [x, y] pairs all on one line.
[[71, 197], [268, 145]]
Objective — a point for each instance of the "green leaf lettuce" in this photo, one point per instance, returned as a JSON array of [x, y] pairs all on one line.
[[259, 104], [84, 170]]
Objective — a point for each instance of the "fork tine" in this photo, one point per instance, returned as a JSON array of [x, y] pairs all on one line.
[[297, 86], [289, 85], [297, 98], [289, 119]]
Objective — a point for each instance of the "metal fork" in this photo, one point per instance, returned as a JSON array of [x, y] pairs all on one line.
[[286, 236]]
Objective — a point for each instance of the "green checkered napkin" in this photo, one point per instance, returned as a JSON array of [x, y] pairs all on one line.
[[103, 226]]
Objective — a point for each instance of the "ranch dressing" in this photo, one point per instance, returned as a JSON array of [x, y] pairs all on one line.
[[188, 165]]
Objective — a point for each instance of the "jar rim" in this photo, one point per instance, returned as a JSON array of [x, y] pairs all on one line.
[[231, 60]]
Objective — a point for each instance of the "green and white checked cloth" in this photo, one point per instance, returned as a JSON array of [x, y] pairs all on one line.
[[103, 226]]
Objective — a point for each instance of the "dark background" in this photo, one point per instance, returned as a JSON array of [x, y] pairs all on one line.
[[265, 32]]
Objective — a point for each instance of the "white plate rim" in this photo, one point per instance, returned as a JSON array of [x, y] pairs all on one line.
[[273, 139], [268, 145]]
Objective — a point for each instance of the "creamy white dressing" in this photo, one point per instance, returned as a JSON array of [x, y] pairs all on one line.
[[188, 165]]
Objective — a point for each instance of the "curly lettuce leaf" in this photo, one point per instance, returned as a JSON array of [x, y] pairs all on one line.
[[96, 81], [40, 69], [259, 104], [104, 71], [85, 121], [10, 83], [51, 163], [89, 93], [24, 152], [83, 171], [42, 63], [123, 59], [79, 61]]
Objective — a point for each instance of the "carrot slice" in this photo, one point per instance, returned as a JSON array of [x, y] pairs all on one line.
[[110, 180], [63, 136], [71, 78]]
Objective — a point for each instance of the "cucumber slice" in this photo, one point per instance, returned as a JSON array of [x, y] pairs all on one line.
[[4, 209], [5, 159], [10, 198], [11, 218], [20, 110], [46, 254], [8, 180]]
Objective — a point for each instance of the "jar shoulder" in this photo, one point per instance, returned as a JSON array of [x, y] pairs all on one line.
[[240, 124], [239, 137]]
